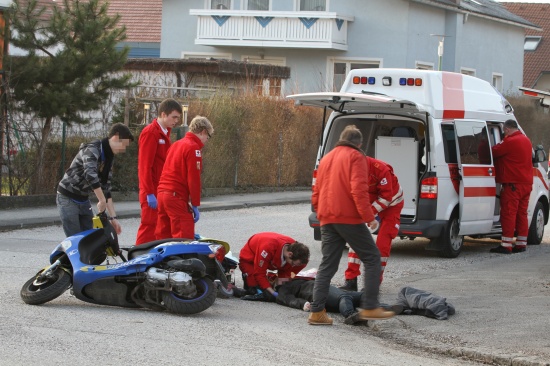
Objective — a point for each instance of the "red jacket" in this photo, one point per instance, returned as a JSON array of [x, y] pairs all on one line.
[[182, 169], [152, 150], [341, 192], [514, 159], [265, 251], [384, 189]]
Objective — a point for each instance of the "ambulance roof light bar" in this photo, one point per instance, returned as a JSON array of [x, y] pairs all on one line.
[[386, 81]]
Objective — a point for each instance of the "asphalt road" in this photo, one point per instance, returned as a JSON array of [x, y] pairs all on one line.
[[232, 331]]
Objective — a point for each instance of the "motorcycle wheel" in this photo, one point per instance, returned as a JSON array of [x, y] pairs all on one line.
[[205, 298], [36, 292]]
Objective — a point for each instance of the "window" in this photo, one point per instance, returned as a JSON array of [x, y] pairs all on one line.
[[421, 65], [449, 143], [257, 4], [531, 43], [473, 144], [468, 71], [313, 5], [220, 4], [342, 68], [497, 81]]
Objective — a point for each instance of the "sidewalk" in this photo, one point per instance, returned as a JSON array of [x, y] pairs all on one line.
[[502, 304], [42, 216]]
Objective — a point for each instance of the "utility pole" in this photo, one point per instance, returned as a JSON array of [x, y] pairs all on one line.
[[440, 48]]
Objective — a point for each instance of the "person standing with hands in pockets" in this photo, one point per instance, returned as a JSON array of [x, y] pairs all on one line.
[[341, 200], [154, 142], [179, 190]]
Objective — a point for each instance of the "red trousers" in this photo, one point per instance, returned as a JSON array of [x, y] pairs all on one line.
[[389, 228], [175, 219], [148, 224], [514, 202]]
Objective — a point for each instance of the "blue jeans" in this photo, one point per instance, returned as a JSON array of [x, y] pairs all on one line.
[[343, 301], [75, 216], [334, 238]]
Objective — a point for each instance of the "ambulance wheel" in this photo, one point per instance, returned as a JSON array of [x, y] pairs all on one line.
[[451, 242], [536, 230]]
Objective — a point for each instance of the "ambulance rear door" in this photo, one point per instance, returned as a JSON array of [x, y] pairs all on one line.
[[477, 185]]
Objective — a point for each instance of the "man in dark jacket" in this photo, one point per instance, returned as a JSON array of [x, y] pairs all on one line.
[[90, 171], [298, 294]]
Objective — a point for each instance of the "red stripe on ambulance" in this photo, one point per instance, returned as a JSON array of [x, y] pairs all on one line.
[[470, 171], [453, 95], [537, 173], [480, 191]]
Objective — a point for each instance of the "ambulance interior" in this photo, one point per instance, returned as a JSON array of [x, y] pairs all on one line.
[[398, 141]]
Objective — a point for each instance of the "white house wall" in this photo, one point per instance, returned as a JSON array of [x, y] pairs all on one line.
[[395, 32]]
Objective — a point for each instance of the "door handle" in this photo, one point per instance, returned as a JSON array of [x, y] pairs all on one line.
[[490, 171]]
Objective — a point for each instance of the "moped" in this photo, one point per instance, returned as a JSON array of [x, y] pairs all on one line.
[[182, 276]]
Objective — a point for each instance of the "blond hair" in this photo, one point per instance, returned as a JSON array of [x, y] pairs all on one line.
[[199, 124]]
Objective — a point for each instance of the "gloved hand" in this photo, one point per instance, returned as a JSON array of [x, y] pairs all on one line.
[[377, 218], [152, 201], [275, 293], [373, 225], [307, 306], [196, 214], [197, 236]]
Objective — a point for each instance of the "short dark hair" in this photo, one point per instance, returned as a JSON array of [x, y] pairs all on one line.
[[169, 105], [352, 134], [511, 124], [299, 252], [122, 131]]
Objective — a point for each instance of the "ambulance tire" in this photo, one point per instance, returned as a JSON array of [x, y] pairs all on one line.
[[536, 230], [451, 242]]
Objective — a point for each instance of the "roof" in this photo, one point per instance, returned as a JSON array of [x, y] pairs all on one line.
[[484, 8], [220, 67], [538, 61], [142, 18]]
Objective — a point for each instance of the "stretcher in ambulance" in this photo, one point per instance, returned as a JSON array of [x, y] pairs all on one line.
[[436, 129]]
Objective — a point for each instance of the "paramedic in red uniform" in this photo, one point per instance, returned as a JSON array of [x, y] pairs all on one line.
[[514, 170], [386, 197], [270, 251], [179, 190], [154, 141]]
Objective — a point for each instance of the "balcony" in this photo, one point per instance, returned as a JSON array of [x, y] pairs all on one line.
[[282, 29]]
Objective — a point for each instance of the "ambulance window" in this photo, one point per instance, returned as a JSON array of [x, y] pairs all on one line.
[[449, 143], [473, 143]]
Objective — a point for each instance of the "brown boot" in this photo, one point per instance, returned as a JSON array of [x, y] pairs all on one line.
[[375, 314], [319, 318]]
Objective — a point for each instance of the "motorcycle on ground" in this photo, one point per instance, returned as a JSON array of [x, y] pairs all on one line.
[[181, 276]]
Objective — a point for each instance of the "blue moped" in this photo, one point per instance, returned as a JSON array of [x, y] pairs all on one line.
[[182, 276]]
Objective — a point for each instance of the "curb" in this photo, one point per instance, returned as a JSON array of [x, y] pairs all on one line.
[[128, 214]]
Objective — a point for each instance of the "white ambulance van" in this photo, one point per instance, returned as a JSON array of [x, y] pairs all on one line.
[[435, 129]]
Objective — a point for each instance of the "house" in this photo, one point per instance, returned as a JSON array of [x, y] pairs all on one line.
[[142, 19], [536, 67], [322, 40]]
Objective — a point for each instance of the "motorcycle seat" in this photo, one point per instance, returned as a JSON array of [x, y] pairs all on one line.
[[138, 250]]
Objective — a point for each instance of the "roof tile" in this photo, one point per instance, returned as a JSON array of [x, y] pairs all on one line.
[[538, 61]]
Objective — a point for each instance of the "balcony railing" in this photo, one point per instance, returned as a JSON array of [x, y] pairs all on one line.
[[320, 30]]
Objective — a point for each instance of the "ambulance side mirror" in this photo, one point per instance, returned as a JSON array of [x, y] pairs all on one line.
[[540, 154]]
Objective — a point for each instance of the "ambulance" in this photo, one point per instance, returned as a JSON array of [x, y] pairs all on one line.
[[435, 129]]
